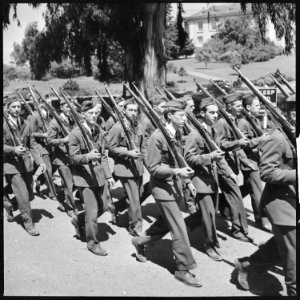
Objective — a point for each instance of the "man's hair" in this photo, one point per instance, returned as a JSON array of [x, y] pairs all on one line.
[[248, 99], [129, 101]]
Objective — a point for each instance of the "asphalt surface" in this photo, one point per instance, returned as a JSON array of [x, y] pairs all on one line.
[[57, 264]]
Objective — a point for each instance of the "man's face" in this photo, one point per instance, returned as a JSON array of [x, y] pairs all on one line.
[[254, 108], [66, 110], [98, 108], [160, 108], [178, 118], [131, 111], [210, 115], [292, 114], [121, 104], [91, 116], [190, 106], [236, 107], [14, 109]]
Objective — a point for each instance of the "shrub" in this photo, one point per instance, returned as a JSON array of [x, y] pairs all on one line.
[[269, 81], [262, 55], [63, 70], [170, 84], [290, 78], [71, 85], [10, 72], [182, 72], [171, 67], [260, 82]]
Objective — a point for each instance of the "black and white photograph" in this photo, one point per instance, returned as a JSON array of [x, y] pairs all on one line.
[[149, 149]]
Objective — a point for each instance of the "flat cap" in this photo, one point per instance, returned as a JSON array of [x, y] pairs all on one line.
[[175, 105], [197, 97], [119, 99], [232, 97], [87, 105], [11, 100], [206, 102], [157, 99]]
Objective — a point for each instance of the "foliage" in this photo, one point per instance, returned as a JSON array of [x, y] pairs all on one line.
[[71, 85], [9, 72], [18, 55], [181, 72], [203, 56], [65, 69], [171, 67], [170, 84]]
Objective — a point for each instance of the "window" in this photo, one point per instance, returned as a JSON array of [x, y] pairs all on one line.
[[200, 26], [200, 40], [213, 25]]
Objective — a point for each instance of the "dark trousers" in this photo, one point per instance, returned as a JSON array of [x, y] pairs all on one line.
[[205, 203], [93, 207], [41, 178], [234, 201], [134, 191], [171, 220], [67, 182], [280, 248], [253, 186], [21, 185]]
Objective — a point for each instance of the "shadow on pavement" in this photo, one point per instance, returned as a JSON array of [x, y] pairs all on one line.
[[103, 232]]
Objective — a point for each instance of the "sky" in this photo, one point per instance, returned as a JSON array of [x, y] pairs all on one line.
[[27, 14]]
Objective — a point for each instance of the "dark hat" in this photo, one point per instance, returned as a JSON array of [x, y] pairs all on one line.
[[175, 105], [206, 102], [87, 105], [157, 99], [11, 100], [197, 97], [232, 97], [129, 101], [186, 98]]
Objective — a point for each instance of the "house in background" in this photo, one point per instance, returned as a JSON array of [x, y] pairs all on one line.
[[200, 30]]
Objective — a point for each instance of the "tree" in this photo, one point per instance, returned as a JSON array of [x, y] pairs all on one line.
[[203, 56], [18, 55]]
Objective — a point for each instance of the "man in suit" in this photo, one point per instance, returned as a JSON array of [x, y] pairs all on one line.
[[128, 165], [18, 163], [61, 159], [90, 172], [236, 159], [252, 182], [167, 188], [40, 134], [207, 164], [278, 170]]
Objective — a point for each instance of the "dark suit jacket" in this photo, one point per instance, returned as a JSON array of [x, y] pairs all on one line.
[[198, 157], [125, 166], [235, 156], [14, 164], [55, 139], [278, 170], [85, 173]]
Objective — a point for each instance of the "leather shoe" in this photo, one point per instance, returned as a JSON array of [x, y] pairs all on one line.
[[187, 278], [242, 237], [9, 214], [97, 249], [213, 254], [242, 275], [140, 250]]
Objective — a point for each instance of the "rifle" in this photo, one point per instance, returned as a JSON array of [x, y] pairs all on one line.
[[54, 114], [236, 131], [286, 95], [287, 128], [74, 101], [286, 82], [249, 118], [106, 106], [25, 103], [37, 108], [218, 88], [169, 94], [152, 115], [161, 93]]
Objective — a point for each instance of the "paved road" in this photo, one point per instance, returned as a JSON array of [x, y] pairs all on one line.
[[57, 264]]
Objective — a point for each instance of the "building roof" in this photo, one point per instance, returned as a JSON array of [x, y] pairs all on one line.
[[227, 9]]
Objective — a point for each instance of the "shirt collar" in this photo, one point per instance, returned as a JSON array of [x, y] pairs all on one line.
[[14, 121], [65, 117], [171, 129]]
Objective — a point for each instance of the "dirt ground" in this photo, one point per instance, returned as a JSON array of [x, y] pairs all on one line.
[[57, 264]]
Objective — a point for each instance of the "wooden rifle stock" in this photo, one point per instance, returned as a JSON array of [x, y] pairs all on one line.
[[54, 114], [152, 115], [286, 95], [106, 106], [286, 82], [286, 127], [25, 103], [45, 129]]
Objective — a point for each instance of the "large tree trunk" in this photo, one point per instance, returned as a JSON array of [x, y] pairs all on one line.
[[145, 58]]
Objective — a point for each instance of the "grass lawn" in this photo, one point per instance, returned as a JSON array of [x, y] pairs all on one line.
[[286, 64]]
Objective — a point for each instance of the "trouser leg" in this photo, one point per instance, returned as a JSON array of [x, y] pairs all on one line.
[[206, 206], [233, 197], [93, 207], [67, 179], [286, 242], [47, 161], [253, 186], [134, 190]]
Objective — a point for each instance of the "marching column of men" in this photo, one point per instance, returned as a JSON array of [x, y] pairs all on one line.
[[269, 157]]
